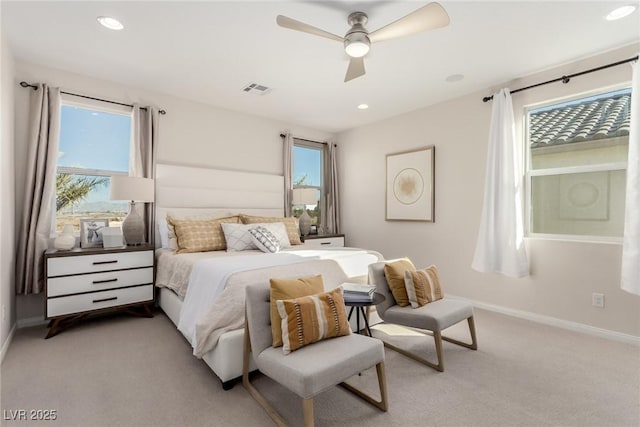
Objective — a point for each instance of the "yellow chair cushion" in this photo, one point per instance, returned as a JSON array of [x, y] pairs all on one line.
[[283, 289], [394, 273]]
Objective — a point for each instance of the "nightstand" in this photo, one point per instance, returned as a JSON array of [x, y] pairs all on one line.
[[324, 240], [81, 282]]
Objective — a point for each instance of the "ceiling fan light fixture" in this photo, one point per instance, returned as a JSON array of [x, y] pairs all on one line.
[[621, 12], [357, 45]]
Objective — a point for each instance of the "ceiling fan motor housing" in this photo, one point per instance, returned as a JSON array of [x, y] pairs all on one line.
[[356, 41]]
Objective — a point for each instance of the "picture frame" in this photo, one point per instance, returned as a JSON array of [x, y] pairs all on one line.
[[410, 185], [91, 232]]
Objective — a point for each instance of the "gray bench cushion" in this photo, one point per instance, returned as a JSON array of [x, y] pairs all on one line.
[[319, 366], [435, 316]]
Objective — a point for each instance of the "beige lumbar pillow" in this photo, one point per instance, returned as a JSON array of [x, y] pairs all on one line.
[[200, 235], [394, 272], [313, 318], [282, 289], [423, 286]]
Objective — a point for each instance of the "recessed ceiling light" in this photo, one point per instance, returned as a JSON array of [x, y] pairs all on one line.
[[363, 107], [621, 12], [454, 78], [110, 23]]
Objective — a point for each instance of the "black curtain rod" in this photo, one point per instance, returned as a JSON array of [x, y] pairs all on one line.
[[282, 135], [566, 79], [35, 87]]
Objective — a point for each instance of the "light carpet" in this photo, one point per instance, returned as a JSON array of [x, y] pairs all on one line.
[[125, 371]]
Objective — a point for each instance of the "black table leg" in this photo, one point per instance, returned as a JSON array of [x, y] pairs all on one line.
[[366, 321]]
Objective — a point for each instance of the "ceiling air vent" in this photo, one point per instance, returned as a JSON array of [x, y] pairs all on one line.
[[256, 89]]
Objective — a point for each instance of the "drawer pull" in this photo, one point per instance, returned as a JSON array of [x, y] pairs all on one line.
[[105, 262], [95, 282], [325, 243], [105, 299]]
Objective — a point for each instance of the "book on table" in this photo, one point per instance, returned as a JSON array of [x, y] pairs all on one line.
[[358, 292]]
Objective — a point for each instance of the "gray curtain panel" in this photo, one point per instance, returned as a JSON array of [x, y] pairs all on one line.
[[287, 151], [40, 189], [330, 208], [142, 157]]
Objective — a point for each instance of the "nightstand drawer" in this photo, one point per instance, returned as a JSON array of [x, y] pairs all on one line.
[[66, 285], [324, 242], [61, 266], [97, 300]]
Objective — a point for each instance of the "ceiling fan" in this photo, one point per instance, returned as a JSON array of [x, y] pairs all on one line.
[[357, 40]]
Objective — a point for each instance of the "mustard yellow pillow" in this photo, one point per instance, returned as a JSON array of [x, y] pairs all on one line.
[[200, 235], [290, 224], [313, 318], [394, 272], [423, 286], [282, 289]]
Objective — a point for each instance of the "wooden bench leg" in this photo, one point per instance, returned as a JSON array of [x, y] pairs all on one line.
[[307, 410]]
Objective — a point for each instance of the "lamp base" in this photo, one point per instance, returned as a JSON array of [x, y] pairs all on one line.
[[304, 221], [133, 227]]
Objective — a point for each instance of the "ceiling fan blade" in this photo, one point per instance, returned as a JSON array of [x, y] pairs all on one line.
[[292, 24], [356, 69], [426, 18]]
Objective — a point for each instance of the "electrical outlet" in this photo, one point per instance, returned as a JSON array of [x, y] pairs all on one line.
[[597, 300]]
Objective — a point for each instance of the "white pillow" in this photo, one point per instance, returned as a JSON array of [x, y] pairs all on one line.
[[163, 230], [239, 239], [265, 240]]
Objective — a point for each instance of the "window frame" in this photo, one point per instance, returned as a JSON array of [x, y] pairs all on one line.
[[529, 173], [94, 105], [320, 146]]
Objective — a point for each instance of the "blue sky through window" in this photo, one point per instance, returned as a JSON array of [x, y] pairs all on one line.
[[94, 139], [307, 161]]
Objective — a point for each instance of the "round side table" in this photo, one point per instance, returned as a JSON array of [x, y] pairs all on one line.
[[359, 306]]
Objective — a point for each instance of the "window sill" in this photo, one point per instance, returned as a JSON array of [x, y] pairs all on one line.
[[576, 239]]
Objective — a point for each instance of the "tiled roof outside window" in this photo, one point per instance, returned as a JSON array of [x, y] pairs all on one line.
[[591, 119]]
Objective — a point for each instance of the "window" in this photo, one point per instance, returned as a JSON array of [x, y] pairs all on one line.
[[308, 160], [577, 159], [94, 145]]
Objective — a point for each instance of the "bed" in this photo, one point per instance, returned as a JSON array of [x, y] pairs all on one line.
[[203, 293]]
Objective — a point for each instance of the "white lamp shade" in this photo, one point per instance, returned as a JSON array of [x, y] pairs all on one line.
[[131, 188], [305, 196]]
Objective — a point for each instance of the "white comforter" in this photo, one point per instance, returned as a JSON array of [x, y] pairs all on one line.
[[209, 278]]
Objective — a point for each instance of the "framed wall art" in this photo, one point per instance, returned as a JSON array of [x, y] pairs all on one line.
[[410, 185]]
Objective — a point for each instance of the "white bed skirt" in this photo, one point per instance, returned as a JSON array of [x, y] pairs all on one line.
[[226, 358]]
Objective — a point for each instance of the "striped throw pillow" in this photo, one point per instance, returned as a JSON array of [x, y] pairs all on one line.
[[423, 286], [290, 223], [264, 239], [313, 318]]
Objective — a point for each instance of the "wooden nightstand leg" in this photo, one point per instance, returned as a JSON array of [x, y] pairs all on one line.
[[54, 328]]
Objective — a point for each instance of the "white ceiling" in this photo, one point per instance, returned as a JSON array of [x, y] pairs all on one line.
[[208, 51]]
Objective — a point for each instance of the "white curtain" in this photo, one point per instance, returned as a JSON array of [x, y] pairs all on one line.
[[144, 129], [500, 246], [330, 209], [40, 189], [630, 277], [287, 160]]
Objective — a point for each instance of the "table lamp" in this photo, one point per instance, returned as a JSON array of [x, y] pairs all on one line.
[[134, 189], [304, 197]]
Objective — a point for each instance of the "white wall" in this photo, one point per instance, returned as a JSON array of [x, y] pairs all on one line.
[[563, 274], [190, 133], [7, 171]]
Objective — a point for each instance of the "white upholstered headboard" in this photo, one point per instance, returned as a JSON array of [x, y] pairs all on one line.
[[189, 189]]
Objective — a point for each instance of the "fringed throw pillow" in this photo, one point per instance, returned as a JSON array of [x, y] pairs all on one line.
[[313, 318]]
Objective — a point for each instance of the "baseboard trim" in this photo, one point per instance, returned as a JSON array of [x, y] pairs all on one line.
[[7, 342], [31, 321], [553, 321]]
